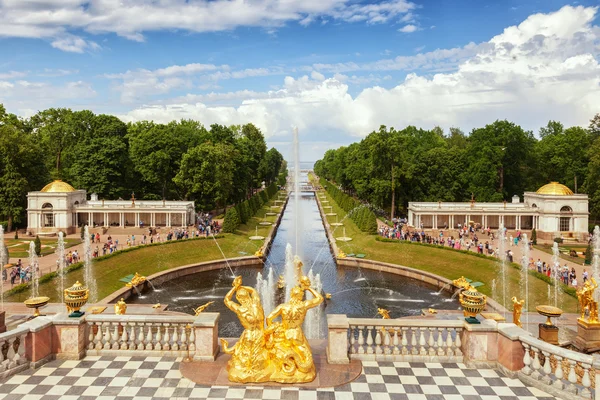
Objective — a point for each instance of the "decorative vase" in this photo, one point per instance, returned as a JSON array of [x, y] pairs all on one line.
[[75, 298], [472, 303]]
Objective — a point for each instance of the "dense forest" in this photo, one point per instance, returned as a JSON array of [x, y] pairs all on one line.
[[390, 167], [102, 154]]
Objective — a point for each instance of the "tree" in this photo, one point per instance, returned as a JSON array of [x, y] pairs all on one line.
[[231, 221], [38, 246], [589, 252], [206, 174], [534, 236]]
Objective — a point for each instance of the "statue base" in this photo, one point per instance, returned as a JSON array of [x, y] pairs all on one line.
[[588, 337], [472, 320], [549, 333], [76, 314]]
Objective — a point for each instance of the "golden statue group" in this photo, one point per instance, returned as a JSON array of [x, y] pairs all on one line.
[[585, 295], [280, 352]]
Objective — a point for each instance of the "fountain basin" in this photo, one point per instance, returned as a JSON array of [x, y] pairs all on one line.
[[343, 239], [256, 238]]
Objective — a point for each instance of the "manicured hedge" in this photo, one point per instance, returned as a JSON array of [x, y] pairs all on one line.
[[248, 208], [362, 216]]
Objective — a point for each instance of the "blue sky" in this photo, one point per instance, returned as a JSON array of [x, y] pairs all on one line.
[[337, 69]]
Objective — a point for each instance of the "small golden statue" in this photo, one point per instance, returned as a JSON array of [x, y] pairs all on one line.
[[279, 353], [461, 283], [120, 307], [281, 282], [259, 252], [157, 305], [328, 296], [203, 307], [341, 254], [298, 264], [385, 314], [136, 280], [432, 311], [585, 295], [517, 307]]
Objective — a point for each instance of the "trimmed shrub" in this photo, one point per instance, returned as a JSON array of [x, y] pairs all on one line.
[[231, 221], [38, 246], [264, 197], [534, 236], [588, 254]]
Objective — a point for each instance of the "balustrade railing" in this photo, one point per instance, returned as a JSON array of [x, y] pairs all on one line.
[[564, 371], [12, 351], [405, 340], [134, 334]]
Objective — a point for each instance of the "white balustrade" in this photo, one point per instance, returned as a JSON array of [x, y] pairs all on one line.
[[140, 334], [405, 340], [12, 351], [561, 372]]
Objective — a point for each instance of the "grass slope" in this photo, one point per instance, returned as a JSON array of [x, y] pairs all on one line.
[[150, 259], [448, 263]]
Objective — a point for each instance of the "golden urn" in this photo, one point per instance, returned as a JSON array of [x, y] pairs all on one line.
[[472, 303], [461, 282], [75, 298]]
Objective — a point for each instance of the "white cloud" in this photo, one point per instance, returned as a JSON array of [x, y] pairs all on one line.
[[544, 68], [410, 28], [74, 44], [57, 20], [12, 74]]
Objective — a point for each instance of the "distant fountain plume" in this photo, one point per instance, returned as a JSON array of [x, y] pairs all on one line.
[[502, 256], [555, 271], [3, 262], [596, 258], [314, 316], [88, 273], [494, 290], [289, 272], [61, 265], [297, 217], [33, 265], [525, 273]]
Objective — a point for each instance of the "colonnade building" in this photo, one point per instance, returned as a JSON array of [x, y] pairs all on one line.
[[553, 210], [60, 207]]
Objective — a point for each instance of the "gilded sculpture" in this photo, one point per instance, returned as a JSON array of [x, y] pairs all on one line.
[[120, 307], [201, 308], [279, 353], [517, 309], [385, 314], [136, 280], [585, 295], [461, 282]]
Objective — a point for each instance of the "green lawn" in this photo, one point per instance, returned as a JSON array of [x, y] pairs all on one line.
[[148, 260], [17, 248], [448, 263], [546, 248]]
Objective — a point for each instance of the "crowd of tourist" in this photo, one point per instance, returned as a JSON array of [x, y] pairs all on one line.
[[481, 240], [19, 273]]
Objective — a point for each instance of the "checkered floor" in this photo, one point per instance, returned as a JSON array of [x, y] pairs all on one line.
[[155, 377]]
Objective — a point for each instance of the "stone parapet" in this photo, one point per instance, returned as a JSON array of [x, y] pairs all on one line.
[[206, 329]]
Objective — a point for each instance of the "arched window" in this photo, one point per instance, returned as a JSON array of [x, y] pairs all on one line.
[[76, 203], [47, 215], [565, 222], [534, 205]]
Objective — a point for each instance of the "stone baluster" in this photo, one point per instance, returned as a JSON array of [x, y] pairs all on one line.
[[132, 337], [20, 356], [526, 360], [413, 342], [536, 363], [107, 336], [547, 368], [387, 341], [370, 340], [149, 337], [352, 340], [184, 342], [115, 336], [361, 340], [572, 377], [10, 354], [395, 341], [192, 340], [167, 345], [458, 343], [378, 349], [91, 337], [404, 341], [140, 338], [124, 337], [558, 373], [431, 343], [175, 339], [586, 381], [98, 339], [4, 363], [440, 342], [422, 342], [449, 342], [158, 339]]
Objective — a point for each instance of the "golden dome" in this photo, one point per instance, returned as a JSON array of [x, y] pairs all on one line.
[[58, 186], [556, 189]]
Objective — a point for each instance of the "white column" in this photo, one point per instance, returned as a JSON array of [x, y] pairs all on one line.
[[435, 221], [137, 220], [168, 219], [153, 219], [183, 219]]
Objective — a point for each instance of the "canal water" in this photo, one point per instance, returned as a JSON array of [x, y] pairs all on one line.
[[354, 292]]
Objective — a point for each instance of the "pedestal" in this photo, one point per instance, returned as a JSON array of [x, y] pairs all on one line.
[[549, 333], [588, 337]]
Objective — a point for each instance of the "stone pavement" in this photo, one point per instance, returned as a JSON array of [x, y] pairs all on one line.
[[145, 378]]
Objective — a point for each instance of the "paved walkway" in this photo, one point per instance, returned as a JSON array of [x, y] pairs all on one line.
[[146, 378]]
